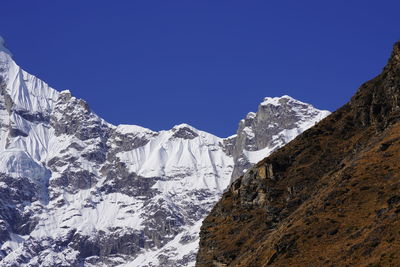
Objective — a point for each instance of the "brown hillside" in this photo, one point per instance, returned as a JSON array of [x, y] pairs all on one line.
[[331, 197]]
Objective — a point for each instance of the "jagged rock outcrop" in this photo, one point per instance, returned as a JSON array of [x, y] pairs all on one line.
[[78, 191], [328, 198], [277, 122]]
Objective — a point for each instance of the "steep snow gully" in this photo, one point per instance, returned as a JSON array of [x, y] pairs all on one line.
[[78, 191]]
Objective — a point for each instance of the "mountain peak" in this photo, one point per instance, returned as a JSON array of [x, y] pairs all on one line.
[[394, 60], [333, 170], [377, 102], [3, 47], [184, 131], [183, 126], [277, 121], [60, 161], [277, 101]]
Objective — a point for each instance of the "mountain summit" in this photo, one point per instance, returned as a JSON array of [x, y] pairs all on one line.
[[331, 197], [78, 191], [3, 47], [277, 121]]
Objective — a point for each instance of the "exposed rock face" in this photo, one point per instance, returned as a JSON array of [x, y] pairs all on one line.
[[78, 191], [278, 121], [328, 198]]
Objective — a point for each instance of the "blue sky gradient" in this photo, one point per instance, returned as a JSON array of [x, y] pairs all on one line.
[[206, 63]]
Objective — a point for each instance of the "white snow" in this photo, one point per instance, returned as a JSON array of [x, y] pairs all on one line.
[[275, 101], [17, 163], [133, 129], [272, 101], [192, 171], [249, 132], [27, 92], [175, 249], [231, 137], [166, 156], [307, 116], [186, 166], [105, 213], [250, 115], [256, 156], [14, 243], [3, 48]]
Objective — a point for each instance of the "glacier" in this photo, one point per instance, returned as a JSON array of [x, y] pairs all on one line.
[[76, 190]]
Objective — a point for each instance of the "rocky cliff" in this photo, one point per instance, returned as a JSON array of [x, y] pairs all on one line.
[[331, 197], [277, 121], [78, 191]]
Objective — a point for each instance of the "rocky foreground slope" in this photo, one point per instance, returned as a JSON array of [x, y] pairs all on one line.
[[331, 197], [78, 191]]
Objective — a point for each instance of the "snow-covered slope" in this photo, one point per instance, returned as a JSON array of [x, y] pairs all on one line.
[[78, 191], [278, 121], [3, 48]]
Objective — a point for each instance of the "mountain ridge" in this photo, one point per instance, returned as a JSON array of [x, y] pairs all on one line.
[[76, 190], [329, 197]]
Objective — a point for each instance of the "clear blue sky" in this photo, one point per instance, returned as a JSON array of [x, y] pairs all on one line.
[[206, 63]]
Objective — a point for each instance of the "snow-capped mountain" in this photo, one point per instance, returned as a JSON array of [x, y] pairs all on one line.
[[277, 122], [78, 191]]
